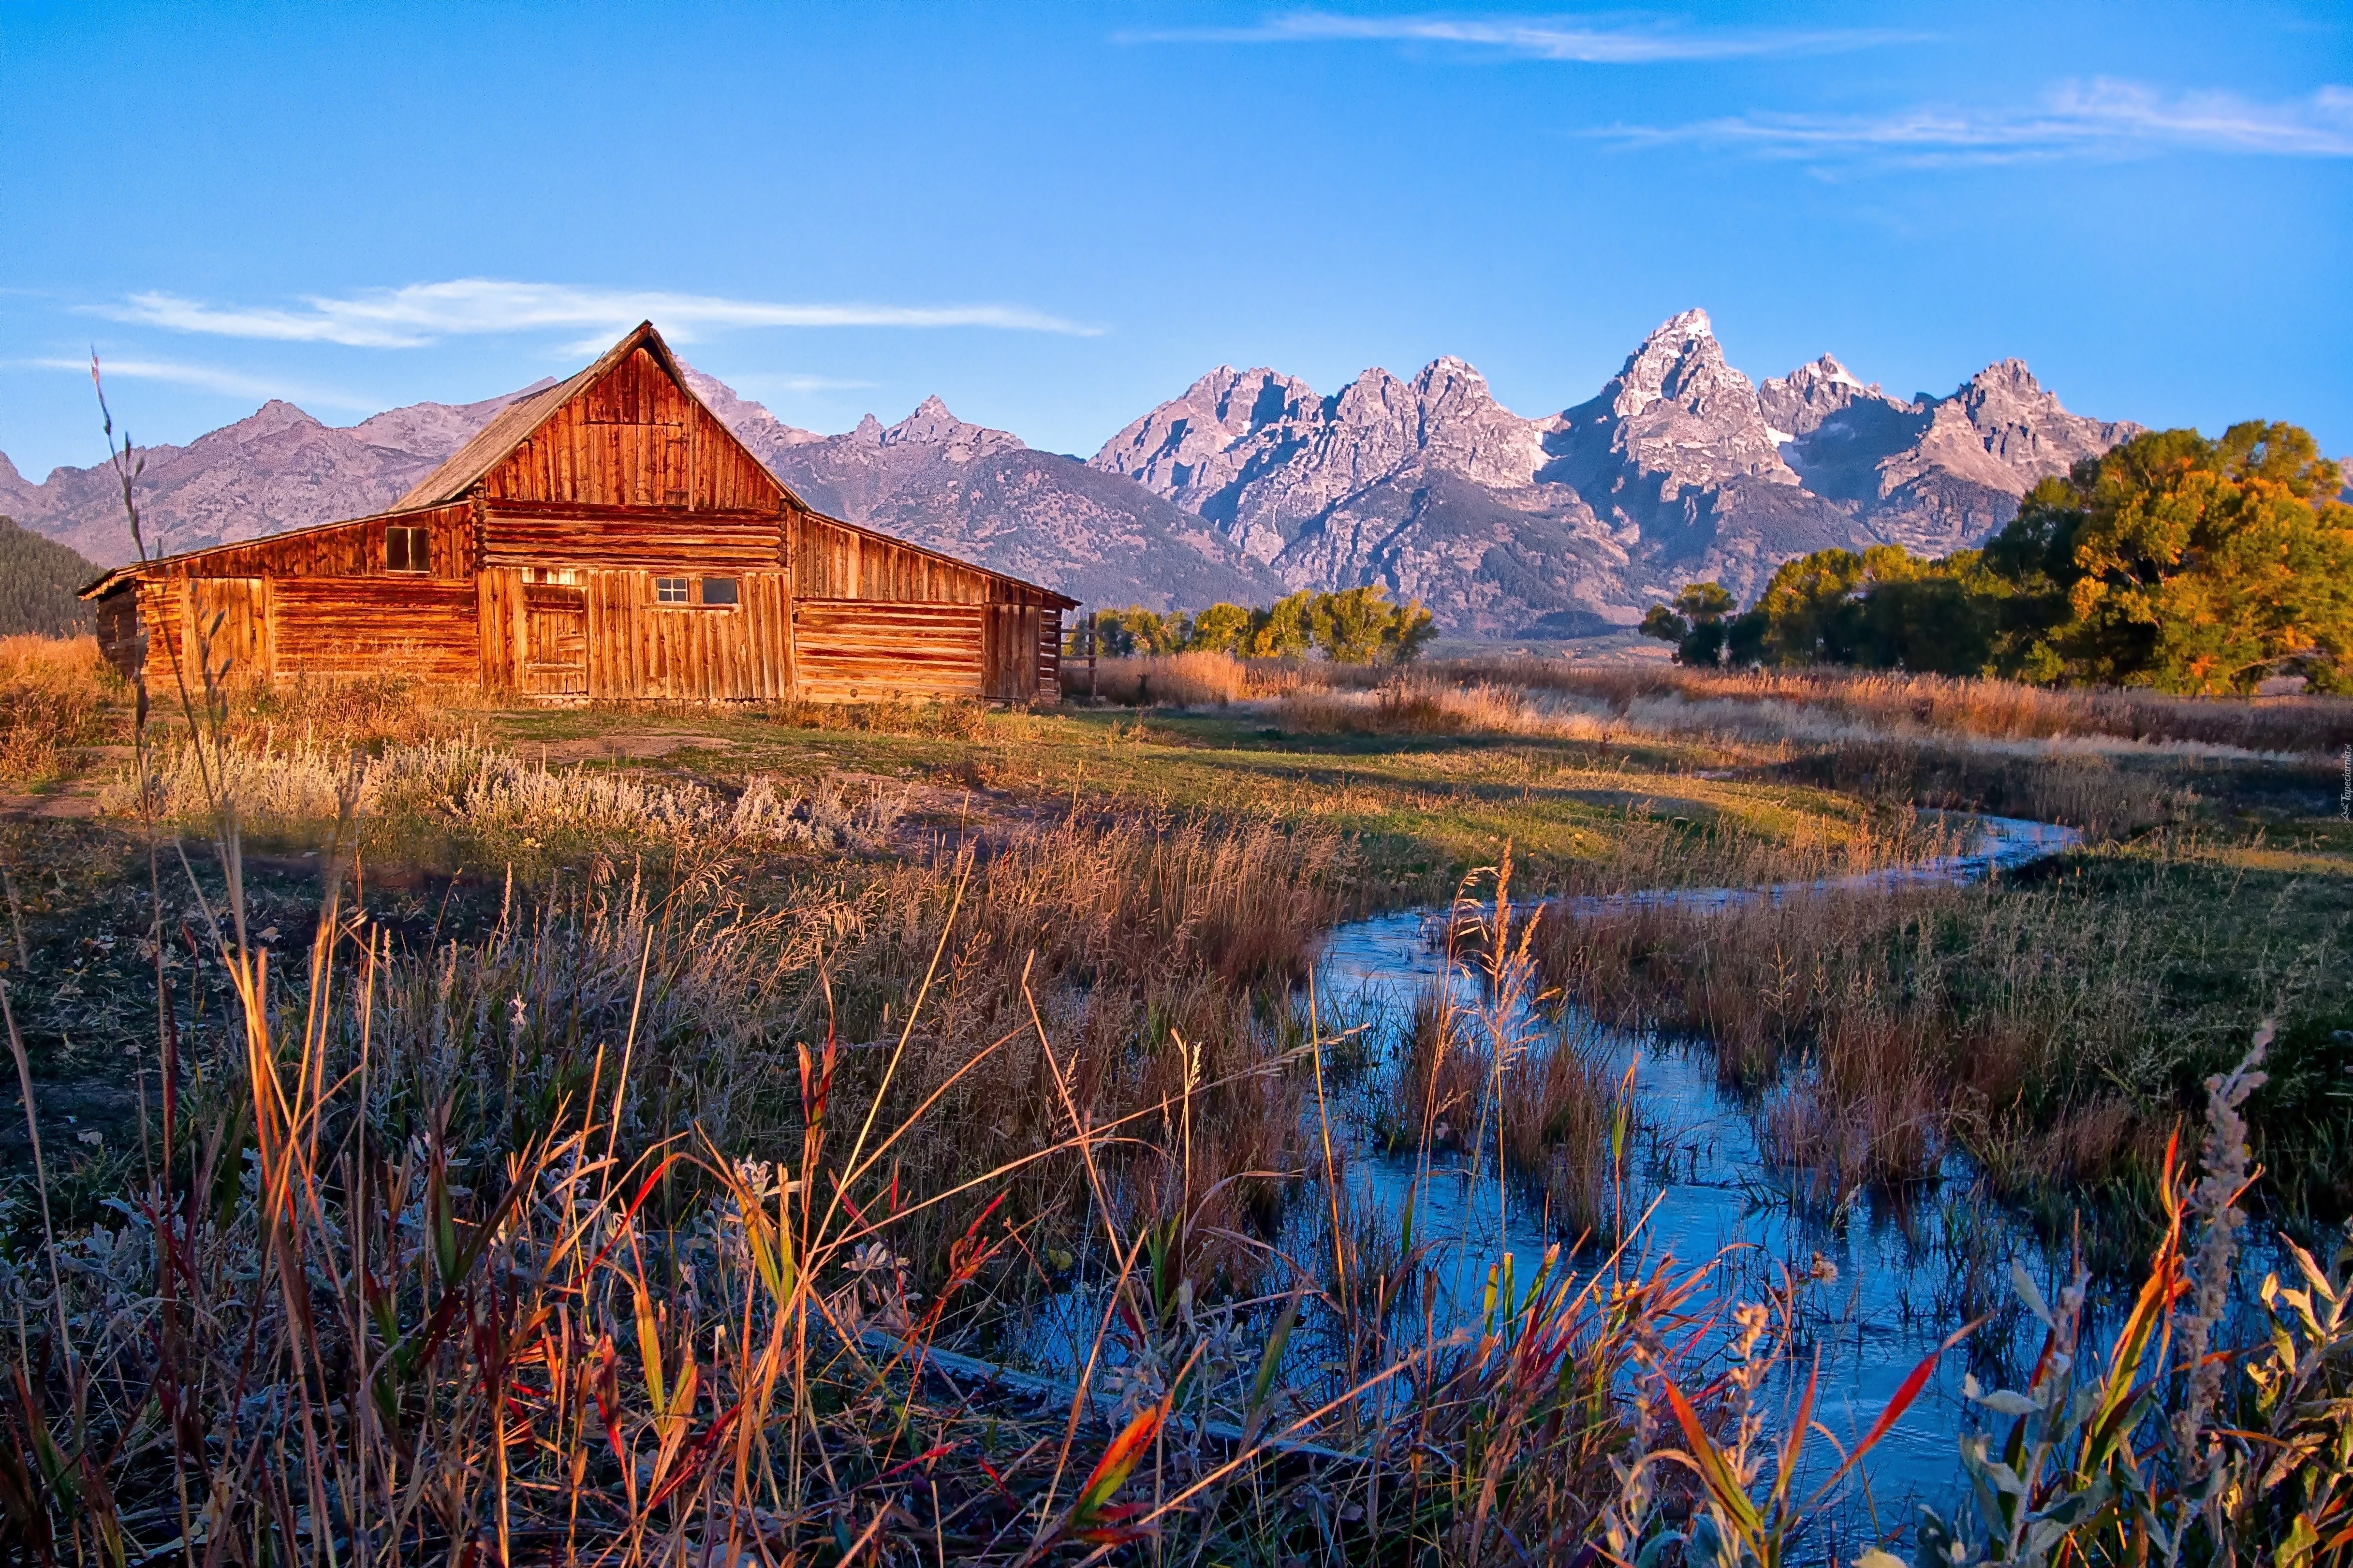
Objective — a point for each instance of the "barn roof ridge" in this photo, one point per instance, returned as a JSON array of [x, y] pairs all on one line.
[[511, 426]]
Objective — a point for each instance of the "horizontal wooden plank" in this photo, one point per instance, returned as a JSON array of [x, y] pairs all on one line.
[[521, 510], [422, 626]]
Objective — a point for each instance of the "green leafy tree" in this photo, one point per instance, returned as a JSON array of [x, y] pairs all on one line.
[[2183, 563], [1287, 628], [1136, 631], [1220, 628], [1938, 617], [1410, 627], [1698, 623], [1354, 624], [1809, 607]]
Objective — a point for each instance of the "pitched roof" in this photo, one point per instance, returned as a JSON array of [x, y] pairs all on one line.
[[513, 425]]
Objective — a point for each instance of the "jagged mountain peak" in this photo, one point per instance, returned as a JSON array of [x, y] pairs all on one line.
[[754, 425], [933, 425], [1680, 362], [1824, 371], [2007, 375], [1682, 327]]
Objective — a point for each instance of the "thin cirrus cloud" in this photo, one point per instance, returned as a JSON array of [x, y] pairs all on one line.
[[765, 383], [208, 378], [1587, 43], [424, 313], [2101, 118]]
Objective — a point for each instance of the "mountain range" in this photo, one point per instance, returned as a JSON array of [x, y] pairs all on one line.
[[1250, 483]]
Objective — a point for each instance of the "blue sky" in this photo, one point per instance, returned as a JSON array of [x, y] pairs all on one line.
[[1055, 216]]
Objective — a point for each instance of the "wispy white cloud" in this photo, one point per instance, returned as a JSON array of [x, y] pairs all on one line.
[[422, 313], [773, 383], [2101, 118], [1642, 42], [209, 378]]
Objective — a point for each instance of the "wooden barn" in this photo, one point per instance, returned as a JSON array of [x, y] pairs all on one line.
[[605, 538]]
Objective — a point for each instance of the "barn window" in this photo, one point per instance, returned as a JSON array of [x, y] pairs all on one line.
[[671, 591], [407, 549], [719, 591]]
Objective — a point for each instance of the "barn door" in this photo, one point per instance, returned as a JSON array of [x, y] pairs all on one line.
[[554, 641], [1009, 653], [226, 632]]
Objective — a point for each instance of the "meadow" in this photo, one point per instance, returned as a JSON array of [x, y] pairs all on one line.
[[619, 1135]]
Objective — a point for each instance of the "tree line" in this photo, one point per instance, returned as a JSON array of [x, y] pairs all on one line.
[[1354, 626], [37, 579], [2172, 561]]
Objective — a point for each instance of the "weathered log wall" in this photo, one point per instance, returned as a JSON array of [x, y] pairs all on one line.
[[263, 628], [689, 653], [865, 650], [354, 549], [533, 533]]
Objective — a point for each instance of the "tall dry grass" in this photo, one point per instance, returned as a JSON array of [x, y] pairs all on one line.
[[372, 711], [1894, 704], [1181, 680], [496, 803], [1215, 679], [2055, 1030], [2023, 762], [54, 695], [954, 720]]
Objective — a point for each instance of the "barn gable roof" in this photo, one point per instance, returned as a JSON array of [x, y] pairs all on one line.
[[515, 424]]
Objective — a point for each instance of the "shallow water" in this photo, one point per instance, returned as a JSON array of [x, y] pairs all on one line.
[[1909, 1270], [1908, 1273]]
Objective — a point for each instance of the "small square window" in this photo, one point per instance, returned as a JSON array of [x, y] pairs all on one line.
[[407, 549], [671, 591], [719, 591]]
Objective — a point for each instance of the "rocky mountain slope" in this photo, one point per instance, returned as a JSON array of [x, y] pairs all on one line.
[[984, 495], [1679, 468], [1252, 483], [276, 469]]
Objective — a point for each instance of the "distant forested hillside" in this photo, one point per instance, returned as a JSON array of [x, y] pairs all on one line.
[[37, 579]]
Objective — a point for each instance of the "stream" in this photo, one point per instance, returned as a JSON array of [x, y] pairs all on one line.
[[1892, 1273], [1909, 1269]]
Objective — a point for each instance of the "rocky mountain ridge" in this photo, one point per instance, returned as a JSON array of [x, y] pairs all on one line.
[[1250, 483], [1679, 468]]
